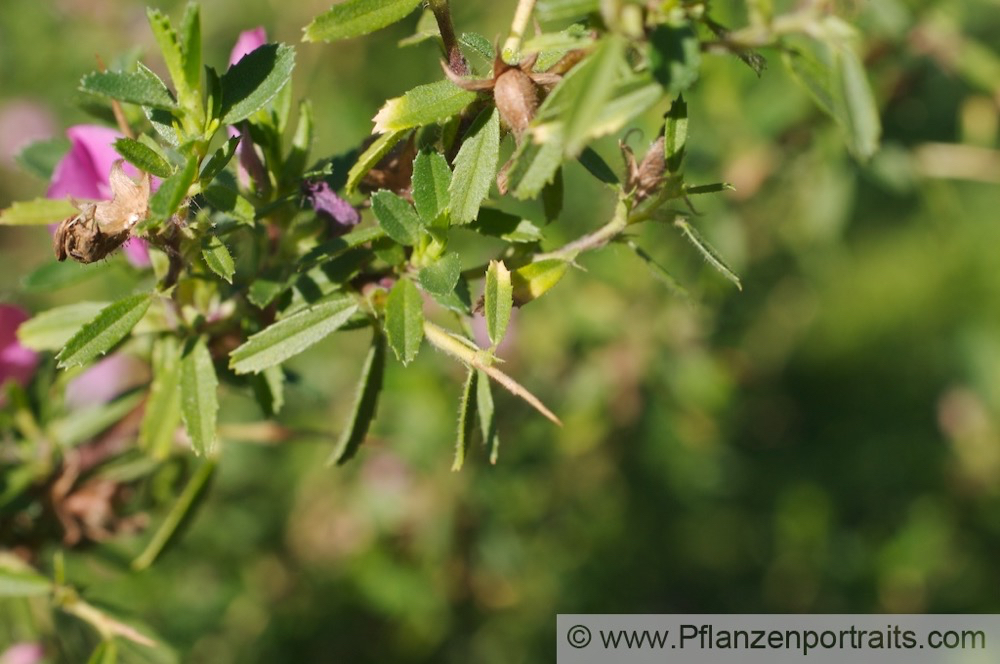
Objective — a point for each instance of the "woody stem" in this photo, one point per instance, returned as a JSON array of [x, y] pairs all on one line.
[[442, 14]]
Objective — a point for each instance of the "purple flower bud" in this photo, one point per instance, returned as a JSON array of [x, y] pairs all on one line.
[[85, 171], [250, 165], [327, 203], [23, 653], [17, 363]]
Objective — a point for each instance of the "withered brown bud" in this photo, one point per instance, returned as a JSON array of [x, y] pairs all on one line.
[[643, 179], [516, 97], [102, 227]]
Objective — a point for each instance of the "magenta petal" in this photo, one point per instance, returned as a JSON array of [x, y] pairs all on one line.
[[105, 380], [137, 252], [23, 653], [84, 171], [16, 361], [249, 41]]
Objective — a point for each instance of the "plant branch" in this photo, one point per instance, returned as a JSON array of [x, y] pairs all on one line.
[[591, 241], [518, 27], [442, 14]]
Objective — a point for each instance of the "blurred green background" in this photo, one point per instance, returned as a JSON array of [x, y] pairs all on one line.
[[825, 441]]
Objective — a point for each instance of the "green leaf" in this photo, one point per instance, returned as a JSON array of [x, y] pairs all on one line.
[[475, 166], [397, 217], [82, 425], [181, 512], [101, 334], [535, 164], [53, 275], [172, 191], [498, 299], [170, 48], [219, 159], [431, 180], [372, 156], [365, 402], [552, 197], [217, 257], [629, 99], [466, 419], [19, 580], [163, 407], [230, 201], [37, 212], [254, 81], [707, 251], [290, 336], [596, 166], [354, 18], [40, 157], [106, 652], [581, 96], [487, 419], [478, 44], [713, 188], [675, 56], [505, 226], [301, 142], [269, 388], [404, 320], [675, 130], [423, 105], [441, 277], [860, 111], [143, 157], [140, 87], [533, 280], [191, 45], [50, 330], [199, 397]]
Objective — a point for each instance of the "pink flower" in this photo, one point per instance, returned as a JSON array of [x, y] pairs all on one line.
[[84, 173], [249, 41], [106, 380], [23, 653], [250, 164], [17, 363]]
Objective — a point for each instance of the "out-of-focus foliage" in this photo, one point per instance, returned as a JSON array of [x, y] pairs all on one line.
[[826, 440]]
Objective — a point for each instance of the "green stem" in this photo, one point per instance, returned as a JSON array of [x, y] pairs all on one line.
[[442, 14], [591, 241], [518, 27]]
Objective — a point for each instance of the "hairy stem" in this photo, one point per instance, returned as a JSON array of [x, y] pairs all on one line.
[[602, 236], [518, 27], [442, 14]]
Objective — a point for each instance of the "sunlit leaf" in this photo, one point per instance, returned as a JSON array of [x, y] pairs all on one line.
[[254, 81], [431, 180], [199, 396], [101, 334], [353, 18], [423, 105], [707, 251], [466, 419], [404, 320], [51, 329], [397, 217], [498, 299]]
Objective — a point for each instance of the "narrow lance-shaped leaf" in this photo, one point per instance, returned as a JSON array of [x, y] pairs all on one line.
[[658, 270], [431, 182], [466, 419], [190, 37], [142, 157], [269, 389], [172, 191], [535, 163], [100, 335], [139, 87], [368, 159], [301, 142], [170, 49], [41, 157], [354, 18], [707, 251], [423, 105], [397, 217], [255, 80], [179, 514], [487, 418], [365, 402], [675, 129], [404, 320], [199, 396], [290, 336], [585, 93], [860, 110], [219, 159], [163, 407], [19, 580], [217, 257], [50, 330], [37, 212], [106, 652], [475, 167], [498, 299]]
